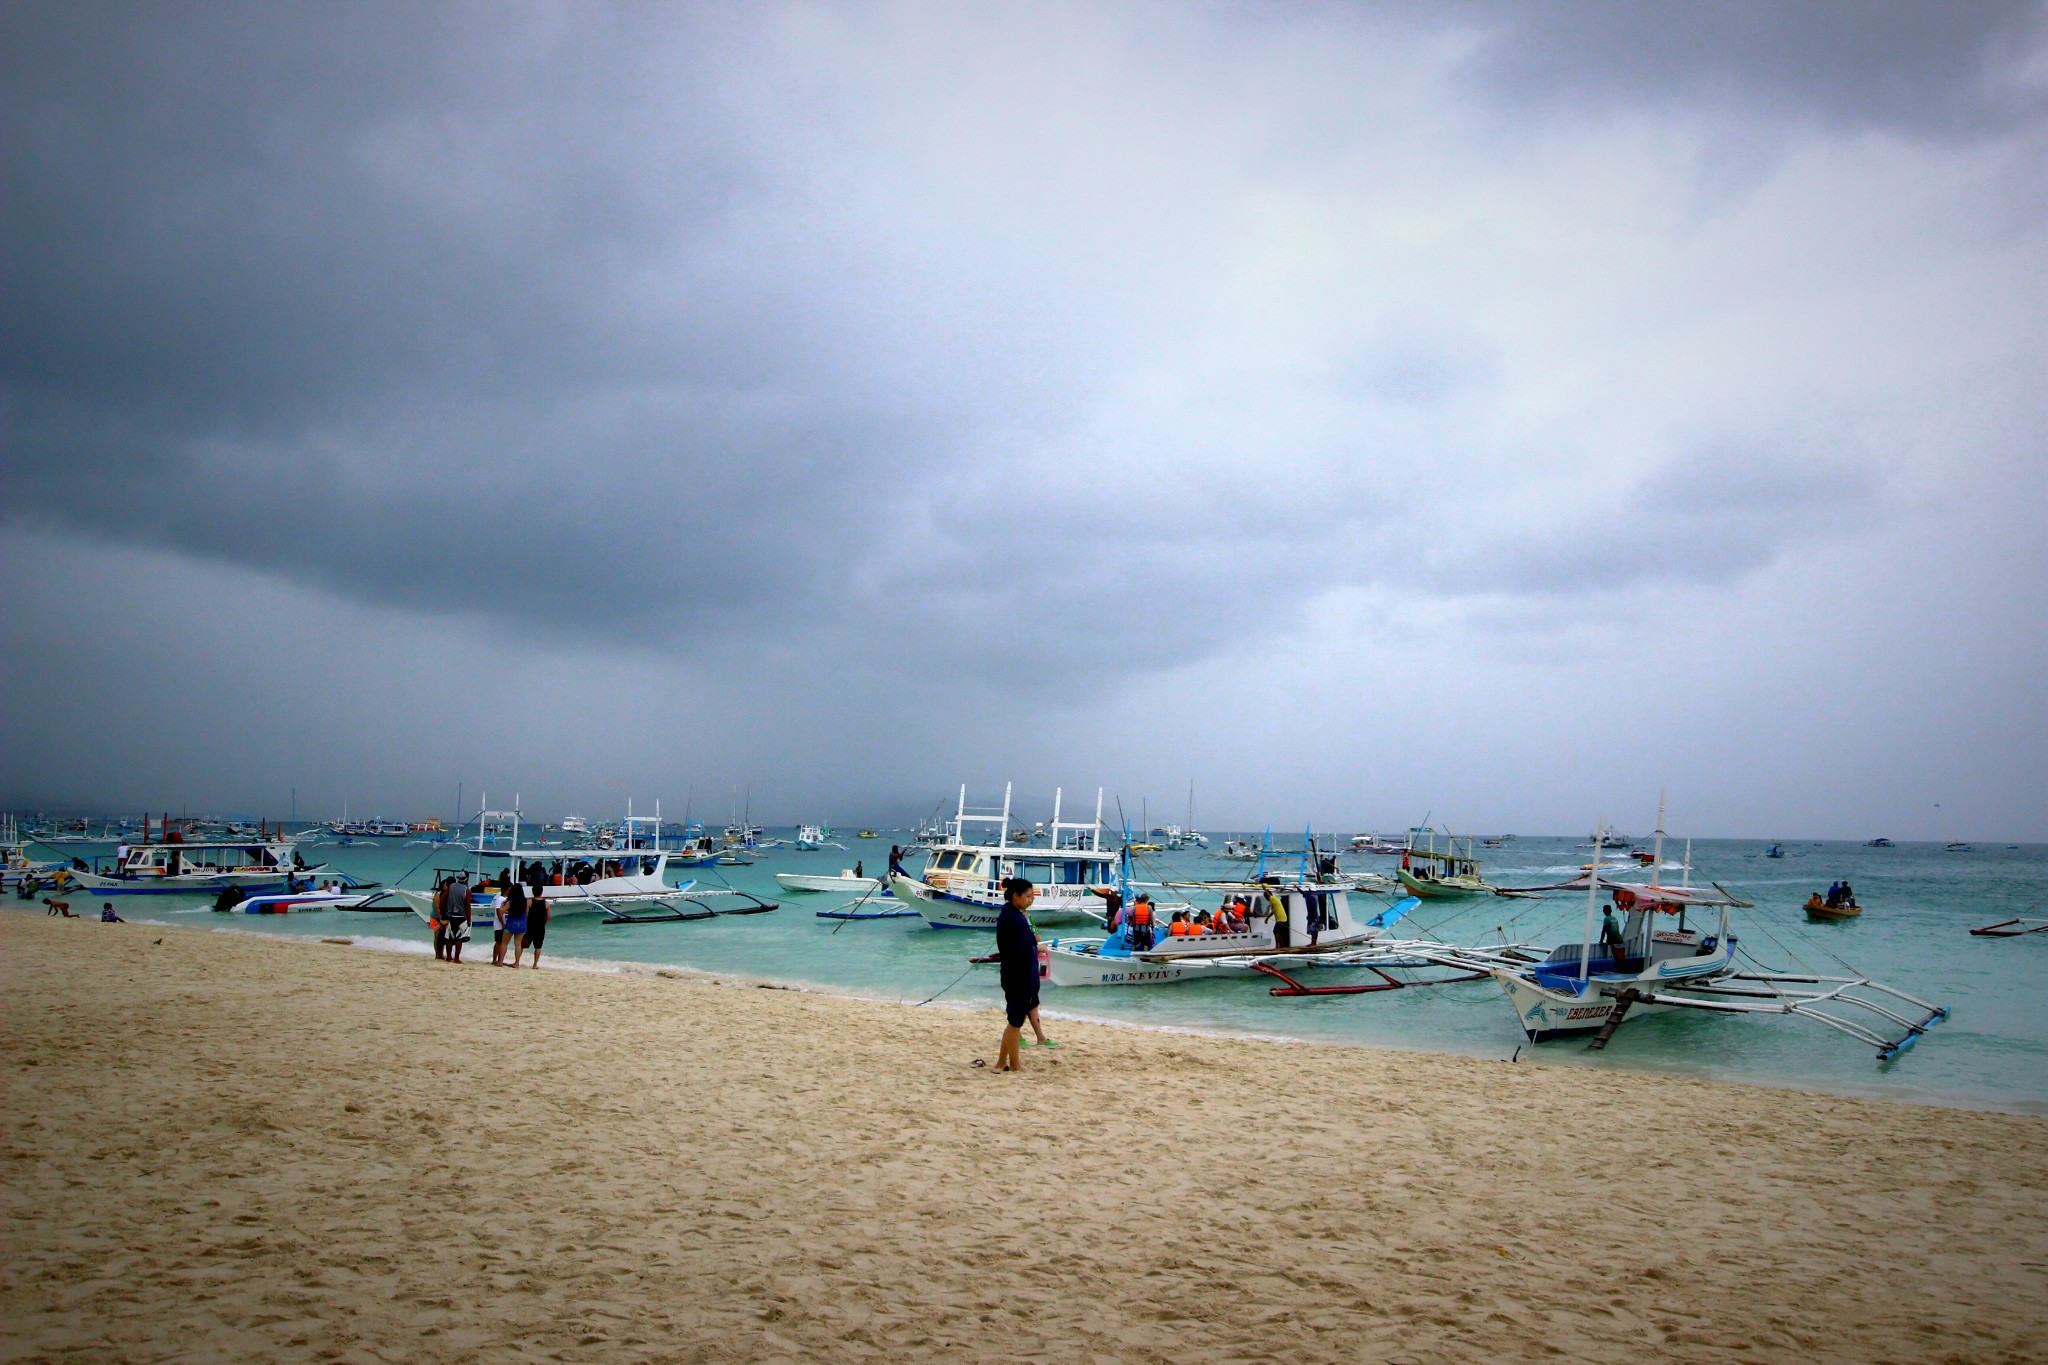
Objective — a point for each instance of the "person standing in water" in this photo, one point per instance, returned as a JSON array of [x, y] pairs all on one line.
[[1017, 948]]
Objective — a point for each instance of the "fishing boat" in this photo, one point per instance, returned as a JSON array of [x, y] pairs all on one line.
[[697, 849], [174, 865], [1447, 875], [1674, 950], [1775, 851], [960, 884], [626, 884], [813, 837]]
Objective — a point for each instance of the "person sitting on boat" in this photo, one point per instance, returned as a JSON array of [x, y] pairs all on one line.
[[1848, 894], [1814, 902], [1834, 895]]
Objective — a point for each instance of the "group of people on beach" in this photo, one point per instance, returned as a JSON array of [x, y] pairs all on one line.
[[519, 916]]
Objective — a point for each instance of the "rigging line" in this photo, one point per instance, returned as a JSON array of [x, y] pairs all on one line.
[[947, 987], [437, 848], [855, 906]]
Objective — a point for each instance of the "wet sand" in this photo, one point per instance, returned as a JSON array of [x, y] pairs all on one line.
[[227, 1147]]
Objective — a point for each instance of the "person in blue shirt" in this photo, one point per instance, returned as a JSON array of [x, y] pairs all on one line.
[[1017, 949]]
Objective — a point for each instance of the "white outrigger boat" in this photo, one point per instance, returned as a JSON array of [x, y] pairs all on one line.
[[813, 837], [846, 881], [960, 884], [622, 884], [1320, 914], [174, 866], [1590, 986]]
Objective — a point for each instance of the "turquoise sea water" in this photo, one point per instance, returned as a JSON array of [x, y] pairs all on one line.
[[1919, 902]]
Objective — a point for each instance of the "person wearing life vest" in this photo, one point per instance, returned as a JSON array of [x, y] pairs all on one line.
[[1142, 936]]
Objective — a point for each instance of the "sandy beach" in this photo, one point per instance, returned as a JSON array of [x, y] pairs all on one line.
[[223, 1147]]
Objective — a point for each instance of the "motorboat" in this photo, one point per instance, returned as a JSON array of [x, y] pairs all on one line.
[[1775, 851], [1817, 908], [960, 884], [813, 837], [1879, 842]]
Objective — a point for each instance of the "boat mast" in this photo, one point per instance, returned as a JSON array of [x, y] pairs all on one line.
[[1096, 835], [1003, 834], [1592, 902], [1657, 853]]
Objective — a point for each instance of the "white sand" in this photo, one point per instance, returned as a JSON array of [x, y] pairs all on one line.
[[224, 1147]]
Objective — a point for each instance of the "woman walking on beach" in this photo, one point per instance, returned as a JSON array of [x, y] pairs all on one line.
[[1017, 948], [536, 926]]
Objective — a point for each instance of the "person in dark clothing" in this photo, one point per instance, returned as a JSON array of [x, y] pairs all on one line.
[[896, 861], [536, 926], [1017, 948], [511, 910]]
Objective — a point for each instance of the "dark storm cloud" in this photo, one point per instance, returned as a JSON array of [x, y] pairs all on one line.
[[1944, 70], [361, 295], [663, 325]]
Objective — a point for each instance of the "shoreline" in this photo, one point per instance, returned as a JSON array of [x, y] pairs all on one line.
[[1929, 1099], [218, 1148]]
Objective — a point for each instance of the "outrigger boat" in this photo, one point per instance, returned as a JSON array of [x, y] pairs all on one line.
[[1451, 874], [2012, 928], [622, 884], [1321, 914], [960, 884], [174, 866], [1590, 986]]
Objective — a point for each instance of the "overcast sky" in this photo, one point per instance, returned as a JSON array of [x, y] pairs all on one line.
[[1494, 412]]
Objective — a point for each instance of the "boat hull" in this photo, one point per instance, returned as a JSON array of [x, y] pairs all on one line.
[[1546, 1013], [1438, 891], [954, 910], [804, 881], [1073, 966], [199, 885]]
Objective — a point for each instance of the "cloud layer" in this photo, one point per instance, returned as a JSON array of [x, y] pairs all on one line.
[[867, 360]]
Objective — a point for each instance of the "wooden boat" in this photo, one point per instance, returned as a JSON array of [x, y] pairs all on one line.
[[1445, 875]]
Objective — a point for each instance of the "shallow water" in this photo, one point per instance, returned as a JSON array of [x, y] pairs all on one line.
[[1919, 902]]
